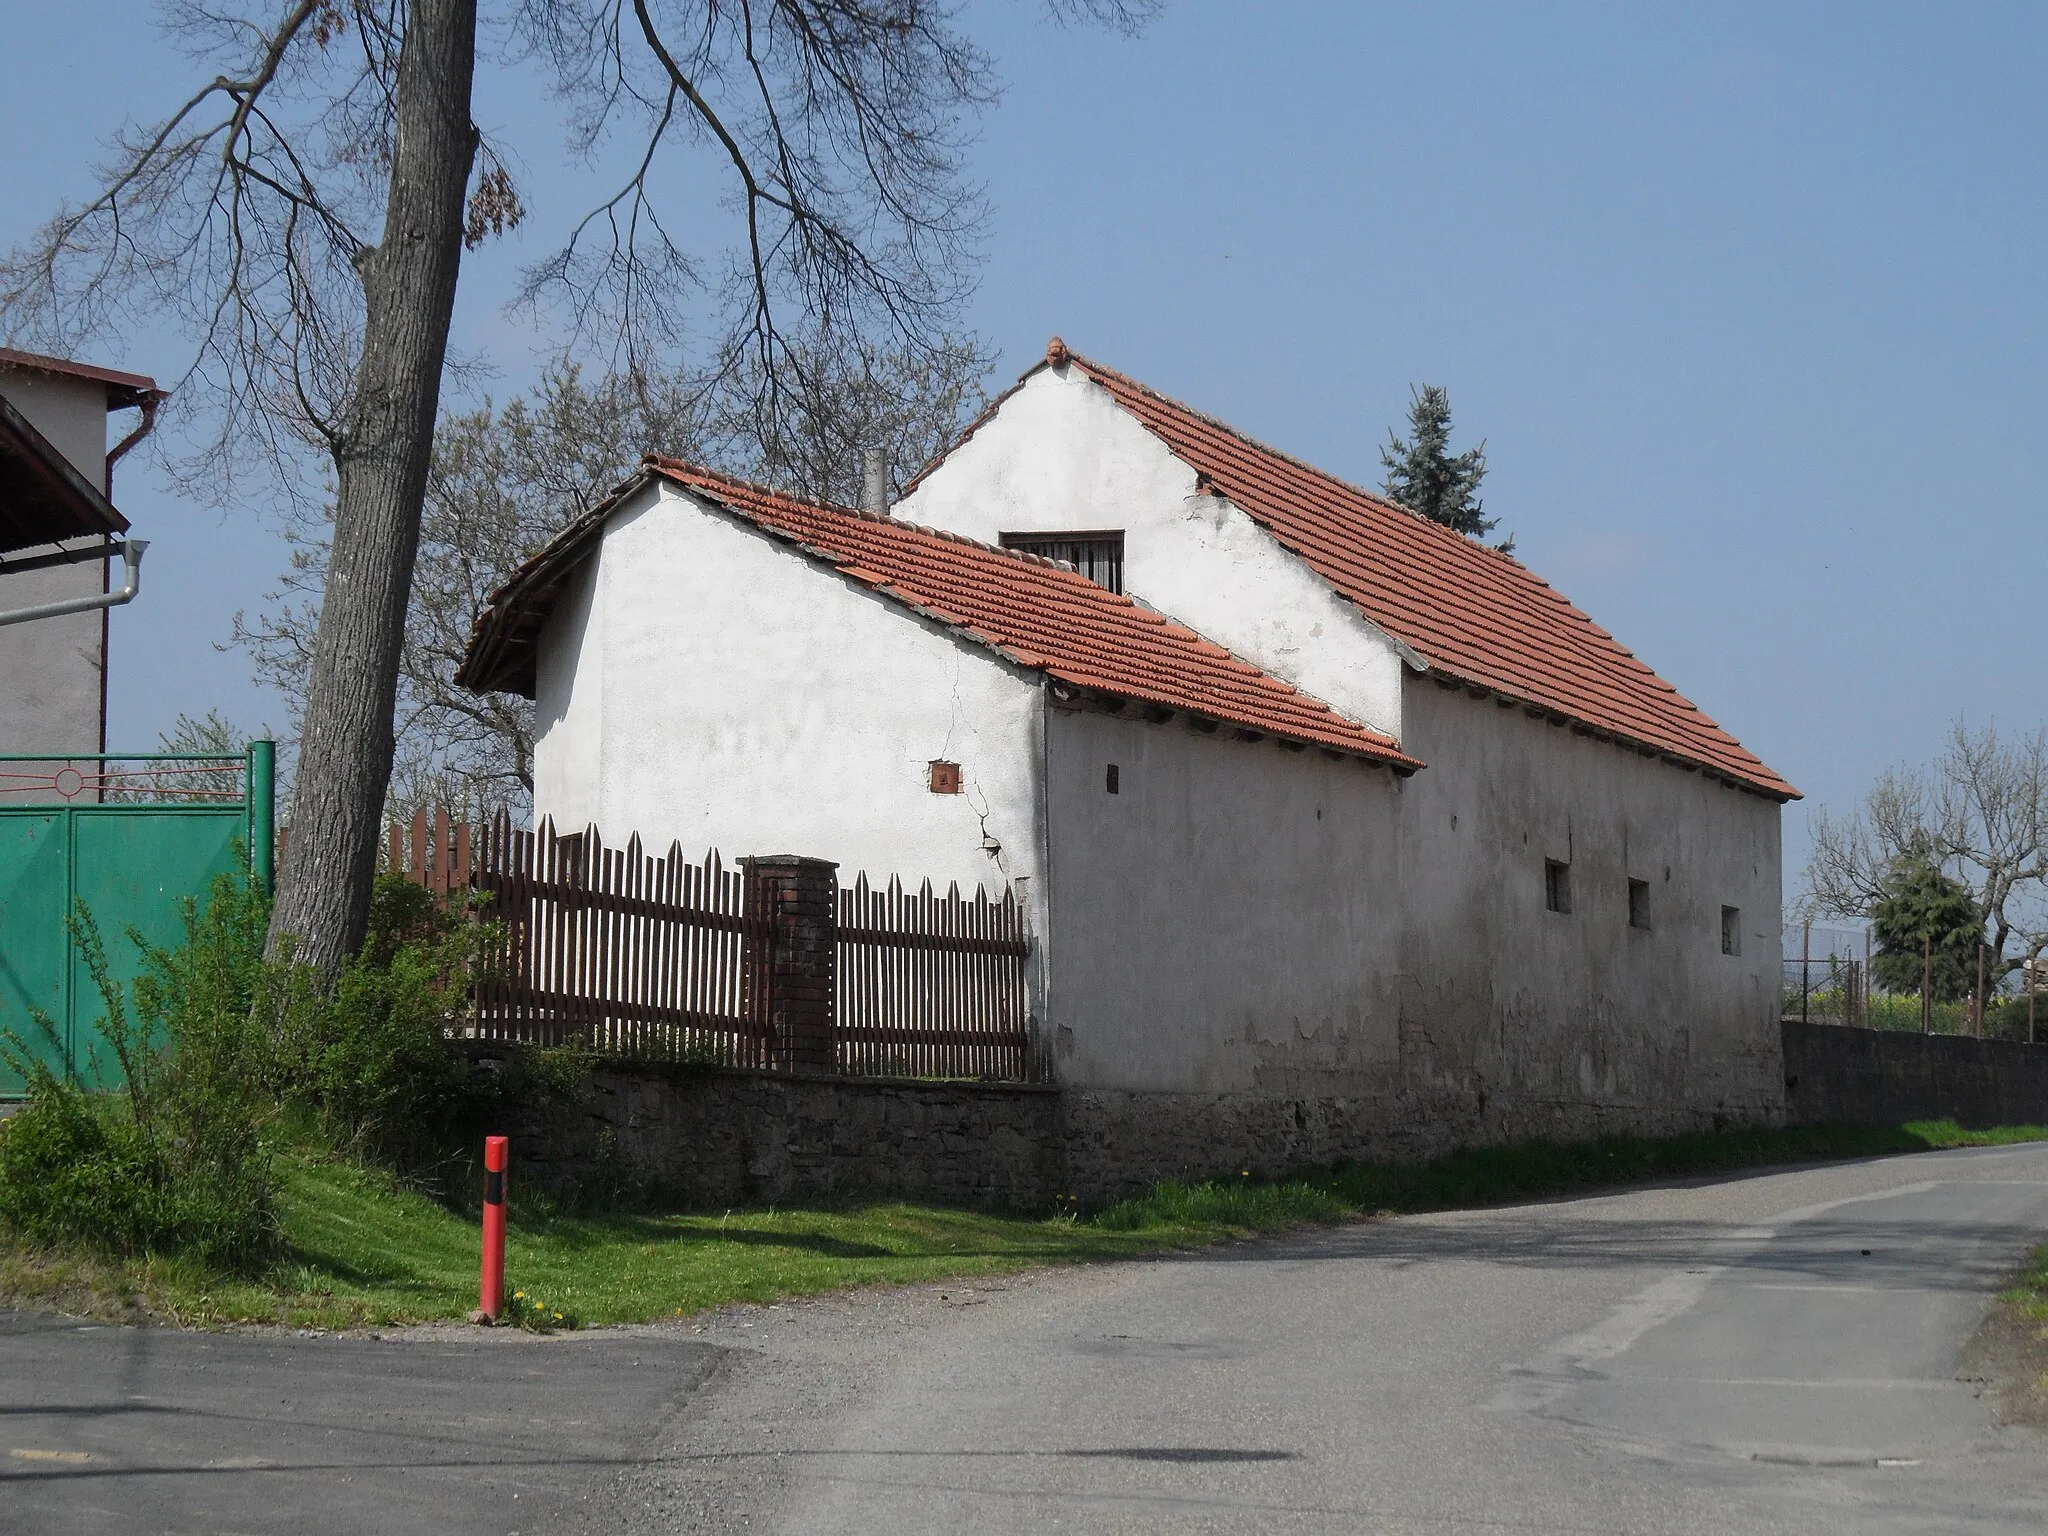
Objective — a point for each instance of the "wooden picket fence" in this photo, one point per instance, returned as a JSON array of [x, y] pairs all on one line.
[[636, 955], [930, 986]]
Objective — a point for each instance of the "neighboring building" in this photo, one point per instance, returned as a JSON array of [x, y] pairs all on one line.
[[57, 533], [1422, 857]]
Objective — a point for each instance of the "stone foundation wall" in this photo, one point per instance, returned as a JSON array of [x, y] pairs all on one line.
[[1884, 1077], [1117, 1143], [711, 1138]]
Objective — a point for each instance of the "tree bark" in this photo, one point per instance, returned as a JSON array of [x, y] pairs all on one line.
[[381, 464]]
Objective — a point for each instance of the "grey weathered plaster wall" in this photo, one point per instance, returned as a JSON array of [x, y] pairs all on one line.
[[1557, 1022], [1229, 914], [1367, 963], [50, 669], [1887, 1077]]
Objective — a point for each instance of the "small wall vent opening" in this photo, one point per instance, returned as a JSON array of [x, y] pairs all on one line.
[[1557, 886], [944, 778], [1639, 904], [1731, 930], [1110, 780]]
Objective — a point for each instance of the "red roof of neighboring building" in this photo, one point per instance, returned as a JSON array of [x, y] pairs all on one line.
[[1473, 613], [1038, 614], [123, 389]]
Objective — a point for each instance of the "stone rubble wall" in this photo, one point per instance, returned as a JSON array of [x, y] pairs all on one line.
[[1887, 1077], [715, 1137]]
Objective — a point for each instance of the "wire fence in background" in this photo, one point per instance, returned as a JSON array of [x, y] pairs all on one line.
[[1829, 978]]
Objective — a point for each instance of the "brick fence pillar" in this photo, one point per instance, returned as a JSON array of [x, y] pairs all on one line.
[[800, 898]]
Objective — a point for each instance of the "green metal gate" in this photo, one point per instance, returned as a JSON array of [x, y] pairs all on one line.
[[130, 843]]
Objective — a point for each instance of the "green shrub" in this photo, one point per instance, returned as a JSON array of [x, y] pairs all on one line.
[[173, 1158], [222, 1054], [370, 1057]]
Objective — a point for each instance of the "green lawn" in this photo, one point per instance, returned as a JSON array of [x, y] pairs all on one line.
[[363, 1250]]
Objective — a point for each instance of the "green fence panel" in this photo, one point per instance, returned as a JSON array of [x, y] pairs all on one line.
[[35, 862], [133, 863], [133, 868]]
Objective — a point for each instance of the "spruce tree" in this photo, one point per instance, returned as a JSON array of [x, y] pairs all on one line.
[[1424, 476], [1922, 905]]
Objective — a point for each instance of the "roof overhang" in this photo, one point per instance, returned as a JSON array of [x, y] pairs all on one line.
[[43, 497], [124, 390], [504, 644]]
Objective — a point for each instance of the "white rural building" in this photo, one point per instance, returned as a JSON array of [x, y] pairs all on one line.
[[1374, 845]]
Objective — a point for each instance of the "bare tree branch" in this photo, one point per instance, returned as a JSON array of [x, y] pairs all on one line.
[[304, 217], [1980, 811]]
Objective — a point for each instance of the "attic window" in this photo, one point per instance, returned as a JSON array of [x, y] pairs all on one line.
[[1098, 555]]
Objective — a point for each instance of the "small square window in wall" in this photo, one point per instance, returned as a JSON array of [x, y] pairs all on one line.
[[1731, 930], [1557, 886], [1639, 904], [1112, 779], [945, 778]]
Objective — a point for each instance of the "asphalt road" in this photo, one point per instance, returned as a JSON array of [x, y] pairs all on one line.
[[136, 1430], [1763, 1354], [1772, 1353]]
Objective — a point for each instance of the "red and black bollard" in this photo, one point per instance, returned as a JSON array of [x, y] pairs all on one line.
[[492, 1301]]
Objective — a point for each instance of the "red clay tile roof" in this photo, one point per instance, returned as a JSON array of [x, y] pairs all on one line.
[[1473, 613], [1037, 614]]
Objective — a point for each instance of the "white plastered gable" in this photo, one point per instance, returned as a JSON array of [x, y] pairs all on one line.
[[1061, 454]]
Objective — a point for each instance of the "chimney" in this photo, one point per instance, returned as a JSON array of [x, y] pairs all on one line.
[[874, 488]]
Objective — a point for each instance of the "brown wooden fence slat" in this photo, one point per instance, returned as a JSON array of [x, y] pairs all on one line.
[[638, 955]]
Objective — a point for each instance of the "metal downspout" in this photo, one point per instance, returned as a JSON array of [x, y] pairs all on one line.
[[131, 554], [148, 405]]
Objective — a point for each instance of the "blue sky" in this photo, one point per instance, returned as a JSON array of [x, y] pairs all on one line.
[[1745, 299]]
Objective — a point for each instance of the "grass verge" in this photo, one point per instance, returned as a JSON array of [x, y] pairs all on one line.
[[2011, 1347], [2030, 1293], [365, 1251]]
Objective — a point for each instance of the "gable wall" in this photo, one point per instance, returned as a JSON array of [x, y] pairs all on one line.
[[1062, 454], [716, 687], [50, 669]]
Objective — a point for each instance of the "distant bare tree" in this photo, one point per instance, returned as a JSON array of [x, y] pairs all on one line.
[[1981, 813], [305, 212]]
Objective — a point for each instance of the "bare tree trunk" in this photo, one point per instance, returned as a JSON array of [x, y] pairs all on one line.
[[381, 464]]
